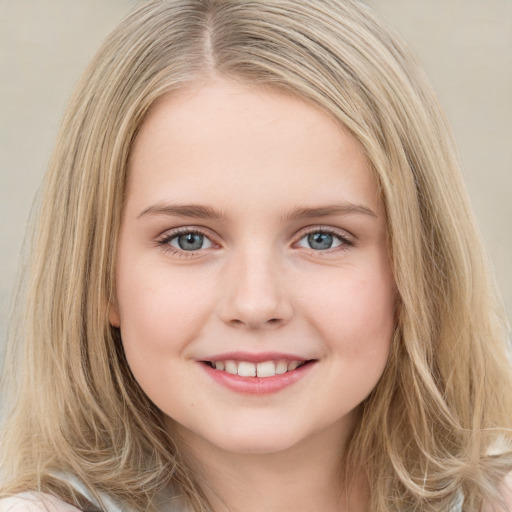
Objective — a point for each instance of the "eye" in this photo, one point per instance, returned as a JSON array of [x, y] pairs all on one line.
[[188, 241], [322, 240]]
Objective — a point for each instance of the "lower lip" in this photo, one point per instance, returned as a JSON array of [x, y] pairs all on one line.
[[258, 385]]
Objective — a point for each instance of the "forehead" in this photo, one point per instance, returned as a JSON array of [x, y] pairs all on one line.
[[222, 139]]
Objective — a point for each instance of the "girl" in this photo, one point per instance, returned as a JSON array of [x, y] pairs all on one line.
[[255, 280]]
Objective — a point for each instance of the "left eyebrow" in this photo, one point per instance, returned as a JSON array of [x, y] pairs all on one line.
[[326, 211], [182, 210]]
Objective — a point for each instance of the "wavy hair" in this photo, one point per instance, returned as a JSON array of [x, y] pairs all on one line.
[[429, 429]]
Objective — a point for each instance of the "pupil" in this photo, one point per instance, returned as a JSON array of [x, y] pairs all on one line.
[[190, 241], [320, 241]]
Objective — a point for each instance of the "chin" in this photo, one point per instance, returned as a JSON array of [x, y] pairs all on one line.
[[254, 443], [243, 439]]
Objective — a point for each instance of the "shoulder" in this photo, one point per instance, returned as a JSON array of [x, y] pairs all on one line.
[[35, 502], [505, 490]]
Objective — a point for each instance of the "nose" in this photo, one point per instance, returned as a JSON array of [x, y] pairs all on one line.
[[254, 294]]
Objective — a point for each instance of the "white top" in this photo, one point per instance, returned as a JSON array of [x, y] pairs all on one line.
[[39, 502], [42, 502], [35, 502]]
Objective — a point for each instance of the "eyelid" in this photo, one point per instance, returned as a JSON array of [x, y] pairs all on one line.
[[347, 238], [164, 239]]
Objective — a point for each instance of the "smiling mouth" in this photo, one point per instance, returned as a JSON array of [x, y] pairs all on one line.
[[263, 369]]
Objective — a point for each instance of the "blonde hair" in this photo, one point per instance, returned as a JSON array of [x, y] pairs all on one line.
[[426, 430]]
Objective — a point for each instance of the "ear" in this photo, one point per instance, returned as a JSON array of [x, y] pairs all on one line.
[[113, 316]]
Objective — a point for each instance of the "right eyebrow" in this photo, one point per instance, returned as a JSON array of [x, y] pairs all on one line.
[[329, 210], [181, 210]]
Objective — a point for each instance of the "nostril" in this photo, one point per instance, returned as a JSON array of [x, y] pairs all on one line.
[[272, 322]]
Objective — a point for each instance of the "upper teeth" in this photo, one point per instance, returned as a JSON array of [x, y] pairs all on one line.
[[264, 369]]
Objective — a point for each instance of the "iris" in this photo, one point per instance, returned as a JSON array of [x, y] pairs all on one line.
[[190, 241], [320, 241]]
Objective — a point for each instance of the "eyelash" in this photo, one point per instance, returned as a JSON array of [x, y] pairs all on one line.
[[164, 241], [346, 241]]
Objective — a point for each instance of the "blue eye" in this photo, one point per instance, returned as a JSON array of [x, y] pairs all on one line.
[[190, 242], [321, 241]]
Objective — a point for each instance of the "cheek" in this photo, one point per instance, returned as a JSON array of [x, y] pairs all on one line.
[[160, 309], [158, 321], [354, 312]]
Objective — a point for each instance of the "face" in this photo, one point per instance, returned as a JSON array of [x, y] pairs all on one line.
[[255, 295]]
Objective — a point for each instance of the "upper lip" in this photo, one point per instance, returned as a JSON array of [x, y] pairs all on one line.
[[254, 357]]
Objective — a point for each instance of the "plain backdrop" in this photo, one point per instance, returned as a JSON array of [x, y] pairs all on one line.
[[465, 45]]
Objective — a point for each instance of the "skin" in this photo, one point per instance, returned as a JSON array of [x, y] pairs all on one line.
[[258, 158]]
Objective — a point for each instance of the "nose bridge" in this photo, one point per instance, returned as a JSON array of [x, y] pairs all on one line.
[[254, 295]]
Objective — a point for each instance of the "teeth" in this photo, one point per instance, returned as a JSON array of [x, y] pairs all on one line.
[[264, 369], [246, 369], [293, 365], [231, 367], [281, 367]]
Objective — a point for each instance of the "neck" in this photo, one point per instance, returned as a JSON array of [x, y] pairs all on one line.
[[305, 477]]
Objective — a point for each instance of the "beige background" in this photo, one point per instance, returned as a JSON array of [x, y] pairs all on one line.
[[466, 46]]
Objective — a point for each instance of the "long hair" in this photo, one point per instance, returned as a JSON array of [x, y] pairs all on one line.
[[429, 429]]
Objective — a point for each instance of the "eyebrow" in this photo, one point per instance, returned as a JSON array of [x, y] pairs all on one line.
[[326, 211], [182, 210], [206, 212]]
